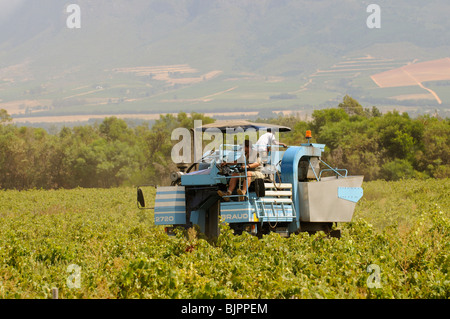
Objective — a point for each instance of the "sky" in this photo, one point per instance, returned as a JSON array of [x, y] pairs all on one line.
[[8, 7]]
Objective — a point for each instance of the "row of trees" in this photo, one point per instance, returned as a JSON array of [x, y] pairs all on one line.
[[387, 146], [110, 154]]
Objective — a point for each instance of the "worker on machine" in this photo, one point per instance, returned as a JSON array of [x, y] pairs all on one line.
[[264, 144], [251, 163], [267, 140]]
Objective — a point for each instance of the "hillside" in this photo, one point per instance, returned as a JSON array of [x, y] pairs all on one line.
[[194, 55]]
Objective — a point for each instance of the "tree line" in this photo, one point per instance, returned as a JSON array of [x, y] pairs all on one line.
[[387, 146]]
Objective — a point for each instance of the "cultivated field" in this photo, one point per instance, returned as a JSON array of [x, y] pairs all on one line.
[[415, 75], [95, 243], [173, 88], [170, 74]]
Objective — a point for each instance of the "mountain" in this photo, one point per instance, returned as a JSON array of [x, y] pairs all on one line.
[[211, 55]]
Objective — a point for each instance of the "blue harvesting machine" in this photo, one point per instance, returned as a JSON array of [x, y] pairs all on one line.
[[299, 191]]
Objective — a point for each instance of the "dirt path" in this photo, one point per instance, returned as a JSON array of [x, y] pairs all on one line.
[[422, 86]]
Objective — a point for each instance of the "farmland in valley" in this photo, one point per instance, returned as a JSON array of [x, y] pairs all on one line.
[[146, 92], [416, 75]]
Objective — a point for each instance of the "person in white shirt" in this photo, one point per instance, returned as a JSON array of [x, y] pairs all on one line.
[[264, 144], [267, 140]]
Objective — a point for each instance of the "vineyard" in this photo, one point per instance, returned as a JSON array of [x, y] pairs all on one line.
[[95, 243]]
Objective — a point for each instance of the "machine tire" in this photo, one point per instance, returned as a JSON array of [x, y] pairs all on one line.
[[260, 190], [140, 197]]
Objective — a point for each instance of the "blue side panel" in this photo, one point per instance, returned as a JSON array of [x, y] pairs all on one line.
[[353, 194], [170, 206], [238, 212], [209, 176]]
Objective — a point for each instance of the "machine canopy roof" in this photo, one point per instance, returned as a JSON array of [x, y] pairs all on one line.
[[233, 124]]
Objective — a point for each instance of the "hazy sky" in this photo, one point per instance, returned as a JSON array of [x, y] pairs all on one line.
[[8, 7]]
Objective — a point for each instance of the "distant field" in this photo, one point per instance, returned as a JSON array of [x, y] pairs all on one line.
[[415, 75], [154, 90], [170, 74], [85, 118]]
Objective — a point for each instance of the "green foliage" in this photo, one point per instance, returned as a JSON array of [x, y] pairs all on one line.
[[4, 116], [351, 106], [106, 155], [323, 118], [403, 227], [397, 169], [391, 146]]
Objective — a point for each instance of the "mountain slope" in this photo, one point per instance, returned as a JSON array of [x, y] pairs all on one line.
[[291, 39]]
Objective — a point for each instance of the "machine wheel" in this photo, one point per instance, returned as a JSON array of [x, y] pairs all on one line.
[[140, 197]]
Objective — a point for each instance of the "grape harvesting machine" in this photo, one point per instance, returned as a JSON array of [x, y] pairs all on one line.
[[299, 191]]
